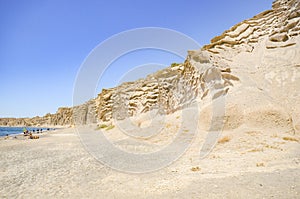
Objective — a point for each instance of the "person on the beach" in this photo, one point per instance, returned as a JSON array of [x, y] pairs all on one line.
[[25, 131]]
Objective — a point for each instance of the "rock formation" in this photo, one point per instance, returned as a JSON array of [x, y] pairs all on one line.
[[258, 58], [167, 90]]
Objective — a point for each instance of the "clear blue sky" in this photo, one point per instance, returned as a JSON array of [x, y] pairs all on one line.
[[44, 42]]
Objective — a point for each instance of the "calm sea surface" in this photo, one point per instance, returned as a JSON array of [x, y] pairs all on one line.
[[16, 130]]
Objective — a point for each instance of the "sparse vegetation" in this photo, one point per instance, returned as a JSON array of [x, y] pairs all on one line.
[[224, 140], [105, 126], [110, 127], [101, 126], [256, 150], [175, 64], [290, 139], [260, 164], [195, 169], [168, 125], [253, 133], [272, 147]]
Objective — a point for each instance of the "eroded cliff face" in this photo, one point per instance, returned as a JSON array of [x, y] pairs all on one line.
[[277, 28], [261, 52], [167, 90]]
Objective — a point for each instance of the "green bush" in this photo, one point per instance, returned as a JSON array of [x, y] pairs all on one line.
[[175, 64], [110, 127], [101, 126]]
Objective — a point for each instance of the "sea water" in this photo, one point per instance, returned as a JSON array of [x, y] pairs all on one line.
[[16, 130]]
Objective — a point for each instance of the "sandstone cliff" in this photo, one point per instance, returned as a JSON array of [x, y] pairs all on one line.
[[257, 58]]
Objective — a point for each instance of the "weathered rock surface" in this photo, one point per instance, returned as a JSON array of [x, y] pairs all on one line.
[[167, 90]]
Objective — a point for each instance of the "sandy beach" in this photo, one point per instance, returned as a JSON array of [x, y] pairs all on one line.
[[57, 165]]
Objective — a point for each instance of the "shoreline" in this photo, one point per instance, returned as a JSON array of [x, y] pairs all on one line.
[[51, 126], [30, 129]]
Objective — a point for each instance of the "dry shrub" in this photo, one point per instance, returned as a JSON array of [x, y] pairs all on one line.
[[168, 125], [253, 133], [290, 139], [272, 147], [224, 140], [260, 164], [195, 169], [256, 150]]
